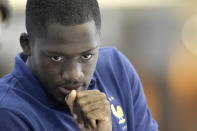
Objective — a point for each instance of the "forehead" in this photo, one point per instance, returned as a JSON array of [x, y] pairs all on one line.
[[68, 39], [65, 33]]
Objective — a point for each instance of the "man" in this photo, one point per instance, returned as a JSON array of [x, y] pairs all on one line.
[[63, 82]]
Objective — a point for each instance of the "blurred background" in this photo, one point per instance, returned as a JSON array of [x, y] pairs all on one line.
[[160, 39]]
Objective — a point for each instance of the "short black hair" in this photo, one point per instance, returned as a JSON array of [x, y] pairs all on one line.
[[41, 13]]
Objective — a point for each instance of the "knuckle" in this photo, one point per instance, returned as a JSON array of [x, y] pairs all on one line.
[[85, 109], [103, 95], [107, 103], [79, 94], [106, 106], [80, 102], [96, 91], [89, 115]]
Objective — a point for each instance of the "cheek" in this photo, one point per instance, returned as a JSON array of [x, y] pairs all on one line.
[[89, 68], [49, 71]]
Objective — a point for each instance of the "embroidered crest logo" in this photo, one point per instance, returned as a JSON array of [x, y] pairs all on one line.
[[118, 112]]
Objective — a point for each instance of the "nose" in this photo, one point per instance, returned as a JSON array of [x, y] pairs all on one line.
[[72, 72]]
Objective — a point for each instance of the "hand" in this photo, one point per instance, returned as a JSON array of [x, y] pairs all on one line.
[[90, 109]]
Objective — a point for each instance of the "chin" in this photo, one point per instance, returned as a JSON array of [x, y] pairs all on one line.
[[60, 103], [60, 100]]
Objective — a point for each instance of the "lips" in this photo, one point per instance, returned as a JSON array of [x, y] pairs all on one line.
[[67, 89]]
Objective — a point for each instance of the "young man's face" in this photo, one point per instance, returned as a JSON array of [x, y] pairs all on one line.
[[65, 58]]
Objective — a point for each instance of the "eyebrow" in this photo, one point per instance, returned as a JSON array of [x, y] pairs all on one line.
[[64, 54], [89, 50]]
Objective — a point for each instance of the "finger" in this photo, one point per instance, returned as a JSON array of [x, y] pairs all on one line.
[[84, 93], [90, 124], [70, 99], [84, 122], [99, 114], [93, 106], [93, 124], [81, 120], [81, 127], [77, 110], [91, 98], [79, 123]]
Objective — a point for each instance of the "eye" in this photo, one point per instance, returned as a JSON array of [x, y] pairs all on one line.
[[86, 56], [56, 58]]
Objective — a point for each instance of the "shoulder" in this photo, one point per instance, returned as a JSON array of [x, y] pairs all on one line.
[[6, 84], [113, 68], [13, 109], [4, 87], [10, 95], [112, 60], [106, 53], [111, 55], [13, 121]]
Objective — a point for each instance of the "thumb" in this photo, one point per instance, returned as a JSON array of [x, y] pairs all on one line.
[[70, 98]]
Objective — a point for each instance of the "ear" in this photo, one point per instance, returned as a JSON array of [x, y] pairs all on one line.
[[25, 44]]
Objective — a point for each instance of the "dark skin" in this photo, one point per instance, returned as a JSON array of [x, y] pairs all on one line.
[[64, 61]]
